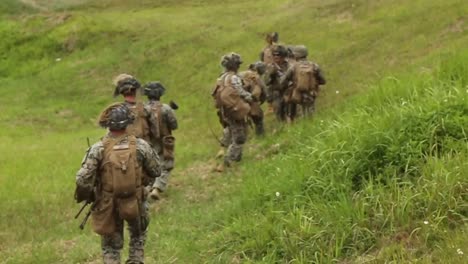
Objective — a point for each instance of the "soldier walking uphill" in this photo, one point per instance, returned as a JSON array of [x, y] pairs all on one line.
[[111, 176], [304, 78], [273, 74], [127, 86], [162, 122], [232, 102], [266, 56], [253, 83]]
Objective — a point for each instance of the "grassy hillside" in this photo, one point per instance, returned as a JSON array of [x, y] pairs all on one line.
[[357, 183]]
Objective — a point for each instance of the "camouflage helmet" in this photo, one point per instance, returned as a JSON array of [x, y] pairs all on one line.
[[280, 50], [125, 83], [154, 90], [116, 117], [259, 67], [300, 51], [231, 61]]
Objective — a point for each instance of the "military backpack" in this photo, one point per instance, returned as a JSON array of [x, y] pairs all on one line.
[[228, 100], [304, 76], [120, 191], [139, 127], [162, 134]]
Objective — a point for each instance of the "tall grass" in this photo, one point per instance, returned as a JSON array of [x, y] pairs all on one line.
[[385, 181]]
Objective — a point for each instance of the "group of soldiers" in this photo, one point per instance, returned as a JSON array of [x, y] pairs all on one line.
[[128, 166], [284, 78], [132, 163]]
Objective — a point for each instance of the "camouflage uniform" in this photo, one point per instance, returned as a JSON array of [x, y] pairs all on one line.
[[168, 122], [236, 133], [307, 99], [253, 83], [274, 73], [266, 56], [85, 178]]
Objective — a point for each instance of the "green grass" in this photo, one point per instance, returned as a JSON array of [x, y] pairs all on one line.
[[355, 183]]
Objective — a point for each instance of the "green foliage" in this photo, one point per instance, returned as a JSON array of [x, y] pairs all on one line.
[[377, 145]]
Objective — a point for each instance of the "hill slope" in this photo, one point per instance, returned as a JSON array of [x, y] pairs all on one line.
[[58, 70]]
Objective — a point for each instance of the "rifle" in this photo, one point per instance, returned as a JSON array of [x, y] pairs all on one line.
[[85, 219]]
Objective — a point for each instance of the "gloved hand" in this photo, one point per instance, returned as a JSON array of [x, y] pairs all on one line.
[[154, 195]]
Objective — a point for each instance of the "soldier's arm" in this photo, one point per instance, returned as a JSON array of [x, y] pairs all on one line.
[[149, 159], [170, 117], [319, 75], [86, 175], [287, 77], [236, 82], [262, 56]]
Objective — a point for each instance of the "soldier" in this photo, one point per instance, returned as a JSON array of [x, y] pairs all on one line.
[[127, 86], [273, 74], [266, 56], [304, 77], [162, 122], [253, 83], [233, 106], [111, 176]]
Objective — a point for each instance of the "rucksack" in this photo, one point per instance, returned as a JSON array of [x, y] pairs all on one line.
[[304, 76], [163, 135], [120, 190], [228, 99], [139, 128], [252, 84]]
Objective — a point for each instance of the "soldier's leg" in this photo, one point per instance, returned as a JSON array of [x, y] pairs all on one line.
[[226, 139], [161, 181], [137, 230], [278, 107], [292, 111], [239, 136], [269, 99], [258, 121], [112, 244]]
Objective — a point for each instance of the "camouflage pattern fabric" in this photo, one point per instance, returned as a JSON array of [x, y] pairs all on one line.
[[276, 90], [112, 244], [308, 99], [169, 120], [226, 139], [146, 156], [252, 78], [236, 83], [85, 178], [141, 119], [238, 133]]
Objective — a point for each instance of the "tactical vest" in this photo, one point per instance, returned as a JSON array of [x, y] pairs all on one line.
[[228, 99], [139, 127], [120, 191]]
